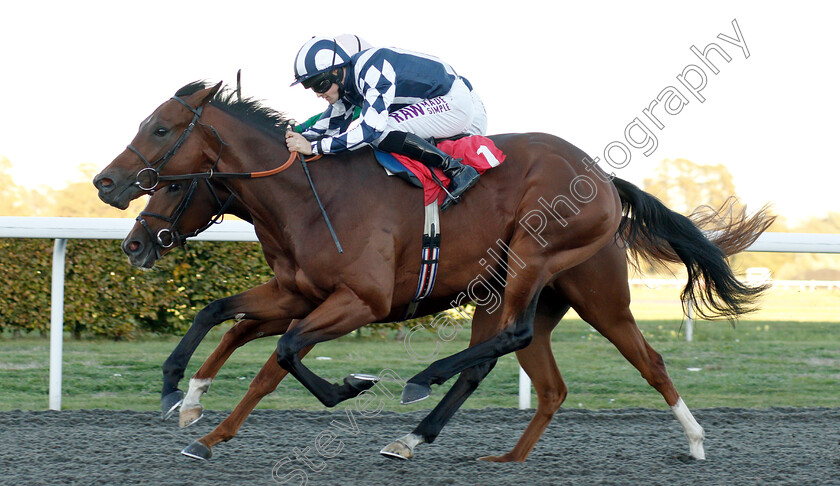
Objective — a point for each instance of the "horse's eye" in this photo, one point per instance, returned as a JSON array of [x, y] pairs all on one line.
[[160, 131], [174, 187]]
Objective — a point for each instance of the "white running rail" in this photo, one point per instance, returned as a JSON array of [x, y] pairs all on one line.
[[62, 229]]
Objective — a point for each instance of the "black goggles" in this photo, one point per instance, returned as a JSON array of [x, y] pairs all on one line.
[[320, 83]]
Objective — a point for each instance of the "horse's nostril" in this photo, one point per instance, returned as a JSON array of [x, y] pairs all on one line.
[[103, 182], [134, 246]]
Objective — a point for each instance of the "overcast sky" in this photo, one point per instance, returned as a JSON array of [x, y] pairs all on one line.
[[78, 77]]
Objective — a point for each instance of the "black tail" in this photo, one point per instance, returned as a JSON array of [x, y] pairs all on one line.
[[712, 287]]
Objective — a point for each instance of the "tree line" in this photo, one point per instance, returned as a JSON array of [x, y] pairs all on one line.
[[105, 296]]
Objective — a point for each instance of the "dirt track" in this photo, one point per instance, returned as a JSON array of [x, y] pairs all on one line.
[[636, 446]]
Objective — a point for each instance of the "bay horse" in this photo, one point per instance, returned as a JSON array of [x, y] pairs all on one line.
[[180, 210], [331, 294]]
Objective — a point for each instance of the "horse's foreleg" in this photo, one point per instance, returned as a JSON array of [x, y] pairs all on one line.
[[516, 336], [241, 333], [259, 303], [483, 326], [430, 427], [264, 383], [342, 312]]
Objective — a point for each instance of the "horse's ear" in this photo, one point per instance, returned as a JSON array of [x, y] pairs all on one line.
[[202, 96], [212, 92]]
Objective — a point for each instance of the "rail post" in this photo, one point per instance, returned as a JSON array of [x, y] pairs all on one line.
[[57, 322]]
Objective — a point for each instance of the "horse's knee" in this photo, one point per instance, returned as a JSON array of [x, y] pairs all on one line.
[[516, 338], [287, 350], [525, 337], [209, 314], [473, 376]]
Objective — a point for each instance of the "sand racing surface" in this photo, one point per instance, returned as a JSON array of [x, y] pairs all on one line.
[[633, 446]]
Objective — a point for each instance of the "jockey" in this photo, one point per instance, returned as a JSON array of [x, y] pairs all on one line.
[[351, 44], [405, 99]]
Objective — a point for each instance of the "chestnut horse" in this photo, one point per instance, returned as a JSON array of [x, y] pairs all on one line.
[[181, 210], [330, 294]]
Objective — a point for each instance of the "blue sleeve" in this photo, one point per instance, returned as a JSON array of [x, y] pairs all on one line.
[[335, 119], [375, 81]]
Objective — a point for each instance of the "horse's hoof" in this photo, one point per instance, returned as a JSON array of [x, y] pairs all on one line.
[[197, 450], [696, 450], [190, 416], [361, 381], [170, 403], [397, 450], [414, 393], [503, 458]]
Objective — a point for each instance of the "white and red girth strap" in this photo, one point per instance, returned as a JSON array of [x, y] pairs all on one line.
[[429, 260]]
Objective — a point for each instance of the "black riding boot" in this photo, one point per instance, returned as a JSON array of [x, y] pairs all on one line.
[[462, 177]]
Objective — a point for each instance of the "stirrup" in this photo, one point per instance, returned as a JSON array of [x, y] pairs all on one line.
[[456, 193], [450, 199]]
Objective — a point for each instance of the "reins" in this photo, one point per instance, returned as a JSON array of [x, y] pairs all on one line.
[[154, 168], [242, 175], [157, 178]]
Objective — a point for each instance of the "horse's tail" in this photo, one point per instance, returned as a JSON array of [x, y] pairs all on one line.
[[657, 234]]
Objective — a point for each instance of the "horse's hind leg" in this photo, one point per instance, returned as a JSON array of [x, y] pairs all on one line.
[[625, 335], [538, 362], [264, 383], [242, 332], [614, 321]]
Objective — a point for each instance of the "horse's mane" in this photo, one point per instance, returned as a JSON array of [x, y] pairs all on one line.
[[249, 110]]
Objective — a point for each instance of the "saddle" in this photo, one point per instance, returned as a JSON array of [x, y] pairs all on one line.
[[476, 150]]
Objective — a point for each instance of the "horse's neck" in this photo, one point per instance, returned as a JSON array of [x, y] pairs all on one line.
[[283, 208], [239, 210], [279, 205]]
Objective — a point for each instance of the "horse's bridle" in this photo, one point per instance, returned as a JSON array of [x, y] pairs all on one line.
[[162, 160], [155, 167], [154, 172], [172, 236]]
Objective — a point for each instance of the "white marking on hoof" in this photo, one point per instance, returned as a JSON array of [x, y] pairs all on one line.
[[191, 409], [190, 416], [198, 387], [693, 430], [402, 448]]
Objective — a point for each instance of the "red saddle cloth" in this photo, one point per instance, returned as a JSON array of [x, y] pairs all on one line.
[[476, 150]]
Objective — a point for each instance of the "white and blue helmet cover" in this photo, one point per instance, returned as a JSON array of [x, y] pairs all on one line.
[[318, 55]]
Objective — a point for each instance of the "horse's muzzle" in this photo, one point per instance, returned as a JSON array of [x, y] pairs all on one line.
[[117, 194], [140, 254]]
